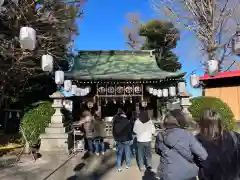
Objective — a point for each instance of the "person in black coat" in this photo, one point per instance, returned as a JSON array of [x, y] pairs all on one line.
[[122, 133], [223, 162]]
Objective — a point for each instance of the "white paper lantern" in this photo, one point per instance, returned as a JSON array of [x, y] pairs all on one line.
[[236, 42], [194, 80], [78, 92], [74, 89], [181, 87], [172, 91], [47, 63], [67, 85], [159, 93], [150, 90], [212, 67], [27, 38], [59, 77], [154, 92], [165, 92]]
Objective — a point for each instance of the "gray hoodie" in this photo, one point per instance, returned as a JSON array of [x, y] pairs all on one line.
[[178, 149]]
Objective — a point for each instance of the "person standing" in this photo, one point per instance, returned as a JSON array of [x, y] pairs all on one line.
[[178, 149], [122, 133], [88, 127], [223, 162], [144, 129], [99, 134]]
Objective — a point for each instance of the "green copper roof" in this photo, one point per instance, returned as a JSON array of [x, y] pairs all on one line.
[[118, 65]]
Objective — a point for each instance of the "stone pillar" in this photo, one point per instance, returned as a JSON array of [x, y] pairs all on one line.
[[56, 136]]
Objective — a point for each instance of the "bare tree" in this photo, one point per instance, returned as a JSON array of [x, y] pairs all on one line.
[[214, 23]]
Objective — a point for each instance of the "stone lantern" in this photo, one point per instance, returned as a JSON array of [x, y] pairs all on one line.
[[185, 102], [55, 137]]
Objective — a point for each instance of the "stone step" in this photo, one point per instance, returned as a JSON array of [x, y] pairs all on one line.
[[55, 130], [54, 136]]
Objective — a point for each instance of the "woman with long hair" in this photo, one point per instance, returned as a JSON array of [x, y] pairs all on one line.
[[222, 147], [178, 149]]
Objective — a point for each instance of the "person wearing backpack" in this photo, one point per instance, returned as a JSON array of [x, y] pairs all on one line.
[[223, 162], [178, 149]]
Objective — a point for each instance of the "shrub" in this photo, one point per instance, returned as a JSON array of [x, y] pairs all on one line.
[[36, 120], [199, 104]]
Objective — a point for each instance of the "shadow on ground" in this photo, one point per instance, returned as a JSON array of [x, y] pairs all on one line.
[[149, 175], [94, 167]]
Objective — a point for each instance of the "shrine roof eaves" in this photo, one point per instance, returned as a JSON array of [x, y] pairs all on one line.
[[118, 65]]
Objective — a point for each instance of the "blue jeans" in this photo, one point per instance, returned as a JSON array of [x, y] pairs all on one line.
[[89, 144], [134, 147], [98, 142], [123, 146], [144, 153]]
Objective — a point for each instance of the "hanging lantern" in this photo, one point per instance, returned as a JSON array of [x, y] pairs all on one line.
[[144, 103], [27, 38], [212, 67], [194, 80], [74, 89], [181, 87], [165, 92], [236, 42], [59, 77], [90, 104], [155, 92], [78, 91], [172, 91], [67, 85], [150, 90], [159, 93], [47, 63]]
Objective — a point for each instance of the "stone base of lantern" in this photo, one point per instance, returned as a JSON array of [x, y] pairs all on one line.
[[57, 137]]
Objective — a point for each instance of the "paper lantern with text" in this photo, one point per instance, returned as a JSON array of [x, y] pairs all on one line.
[[172, 91], [181, 87], [47, 63], [194, 80], [67, 85], [27, 38], [59, 77], [165, 92], [74, 89], [212, 67]]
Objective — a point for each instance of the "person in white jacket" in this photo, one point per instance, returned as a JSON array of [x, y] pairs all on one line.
[[144, 129]]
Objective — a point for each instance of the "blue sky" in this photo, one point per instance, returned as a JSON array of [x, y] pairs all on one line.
[[102, 29]]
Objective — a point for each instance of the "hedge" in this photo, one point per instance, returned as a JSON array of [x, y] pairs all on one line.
[[199, 104], [36, 120]]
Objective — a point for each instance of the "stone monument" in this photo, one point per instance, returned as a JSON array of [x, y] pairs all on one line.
[[56, 136]]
